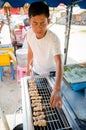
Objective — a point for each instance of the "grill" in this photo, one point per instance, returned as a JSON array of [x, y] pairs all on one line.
[[56, 119]]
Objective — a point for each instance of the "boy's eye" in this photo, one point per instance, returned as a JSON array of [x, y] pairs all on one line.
[[42, 23], [34, 23]]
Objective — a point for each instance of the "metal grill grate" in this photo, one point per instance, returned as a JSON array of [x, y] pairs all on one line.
[[55, 118]]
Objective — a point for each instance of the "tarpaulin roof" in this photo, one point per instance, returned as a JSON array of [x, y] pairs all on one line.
[[51, 3]]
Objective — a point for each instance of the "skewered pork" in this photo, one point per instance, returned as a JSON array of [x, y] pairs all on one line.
[[40, 123], [38, 113], [38, 108], [40, 117]]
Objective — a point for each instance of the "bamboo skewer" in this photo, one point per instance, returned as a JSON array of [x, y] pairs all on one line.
[[52, 121], [51, 114]]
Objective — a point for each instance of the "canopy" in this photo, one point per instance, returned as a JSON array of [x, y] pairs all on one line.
[[51, 3]]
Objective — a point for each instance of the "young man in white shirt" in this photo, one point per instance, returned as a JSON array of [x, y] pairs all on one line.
[[44, 52]]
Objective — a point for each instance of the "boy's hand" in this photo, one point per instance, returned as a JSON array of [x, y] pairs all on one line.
[[56, 99], [28, 72]]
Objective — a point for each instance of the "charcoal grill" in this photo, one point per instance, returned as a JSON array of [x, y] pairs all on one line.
[[56, 118]]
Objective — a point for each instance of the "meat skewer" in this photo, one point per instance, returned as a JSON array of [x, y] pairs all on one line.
[[36, 98], [40, 117], [31, 80], [36, 104], [38, 108], [38, 113], [33, 88], [40, 123], [43, 122], [36, 101]]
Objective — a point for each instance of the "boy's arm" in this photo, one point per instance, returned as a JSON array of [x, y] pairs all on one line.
[[29, 61], [56, 100]]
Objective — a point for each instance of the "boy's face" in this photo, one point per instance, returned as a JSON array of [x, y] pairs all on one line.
[[39, 25]]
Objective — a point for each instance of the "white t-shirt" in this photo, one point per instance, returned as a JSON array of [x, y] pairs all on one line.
[[44, 50]]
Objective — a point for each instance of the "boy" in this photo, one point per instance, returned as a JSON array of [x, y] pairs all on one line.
[[44, 49]]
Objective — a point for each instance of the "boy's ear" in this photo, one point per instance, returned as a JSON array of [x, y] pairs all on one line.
[[29, 20], [48, 20]]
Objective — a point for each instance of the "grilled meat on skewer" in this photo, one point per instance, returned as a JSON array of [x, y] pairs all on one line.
[[38, 113], [40, 123]]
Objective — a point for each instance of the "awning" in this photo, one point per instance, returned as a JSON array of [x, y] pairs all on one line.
[[51, 3]]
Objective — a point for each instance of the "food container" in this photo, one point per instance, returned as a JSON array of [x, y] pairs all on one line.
[[21, 55]]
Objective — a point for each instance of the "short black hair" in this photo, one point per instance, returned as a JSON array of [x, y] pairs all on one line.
[[38, 8]]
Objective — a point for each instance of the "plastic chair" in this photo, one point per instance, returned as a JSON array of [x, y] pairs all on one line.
[[21, 71], [5, 45], [2, 71], [5, 60]]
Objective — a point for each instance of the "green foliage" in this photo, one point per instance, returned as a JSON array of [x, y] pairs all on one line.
[[83, 31], [69, 68]]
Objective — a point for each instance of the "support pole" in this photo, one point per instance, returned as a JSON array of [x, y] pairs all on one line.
[[4, 120], [67, 32]]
